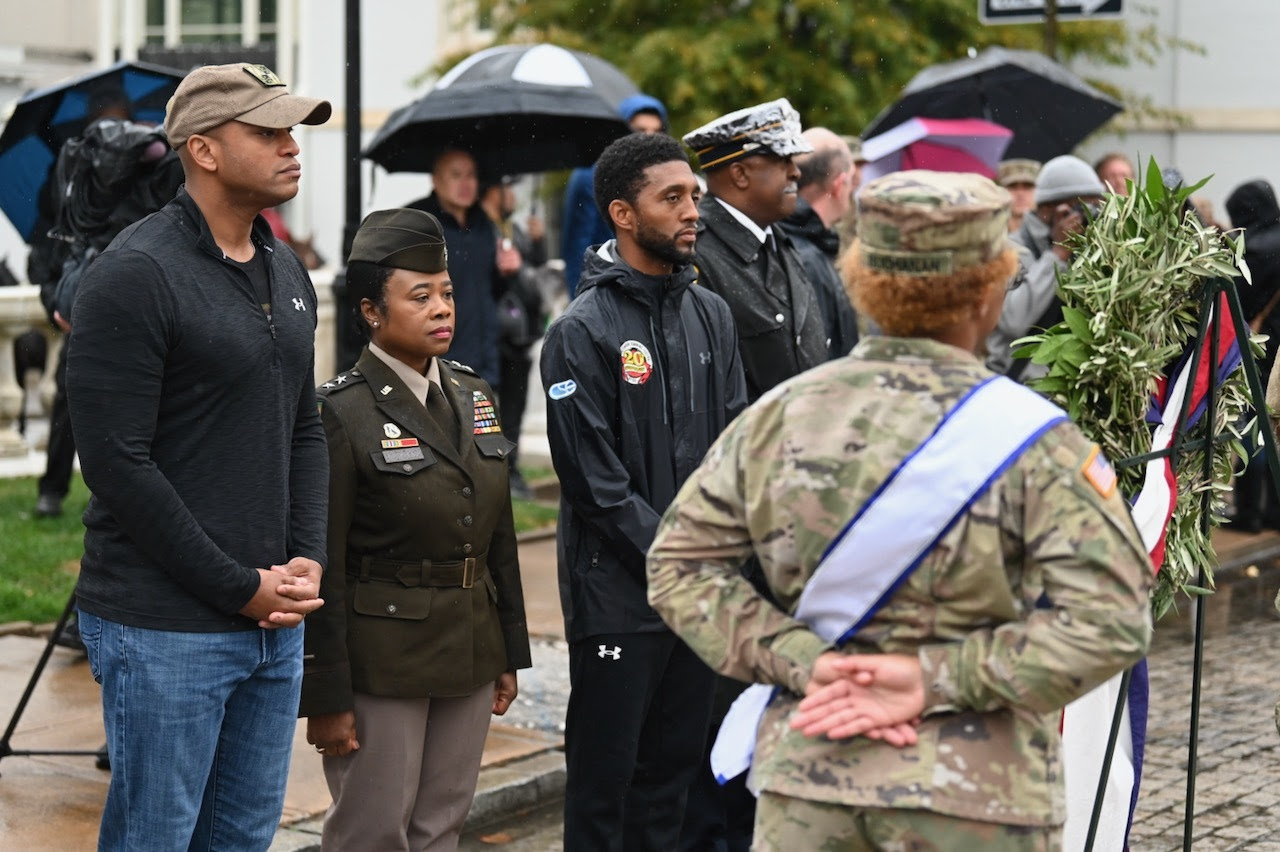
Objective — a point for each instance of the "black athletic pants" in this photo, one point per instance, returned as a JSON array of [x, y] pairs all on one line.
[[639, 705]]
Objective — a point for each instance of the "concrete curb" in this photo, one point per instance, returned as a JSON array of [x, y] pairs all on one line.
[[502, 791]]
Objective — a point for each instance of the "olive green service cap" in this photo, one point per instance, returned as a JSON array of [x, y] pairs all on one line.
[[1012, 172], [215, 94], [403, 239], [931, 223]]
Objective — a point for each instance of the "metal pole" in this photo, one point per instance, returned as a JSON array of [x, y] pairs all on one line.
[[1256, 389], [353, 122], [346, 338], [1051, 28], [1197, 668]]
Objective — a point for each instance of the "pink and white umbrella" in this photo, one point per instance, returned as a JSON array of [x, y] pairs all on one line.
[[938, 144]]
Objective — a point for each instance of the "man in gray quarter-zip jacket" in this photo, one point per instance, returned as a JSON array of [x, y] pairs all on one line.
[[191, 390]]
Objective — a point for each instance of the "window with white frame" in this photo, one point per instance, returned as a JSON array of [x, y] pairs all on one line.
[[174, 22]]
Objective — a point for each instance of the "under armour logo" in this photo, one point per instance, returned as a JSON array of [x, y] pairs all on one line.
[[299, 305], [704, 357], [615, 652]]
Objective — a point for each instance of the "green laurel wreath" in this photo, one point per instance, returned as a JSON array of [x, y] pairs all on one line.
[[1131, 306]]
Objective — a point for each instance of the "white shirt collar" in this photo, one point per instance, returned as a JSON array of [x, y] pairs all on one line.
[[746, 222]]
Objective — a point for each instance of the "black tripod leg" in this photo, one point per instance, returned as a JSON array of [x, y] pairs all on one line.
[[6, 750]]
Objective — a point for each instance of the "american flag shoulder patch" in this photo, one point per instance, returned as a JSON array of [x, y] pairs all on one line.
[[1098, 471]]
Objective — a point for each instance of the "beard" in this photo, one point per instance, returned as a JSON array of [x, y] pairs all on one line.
[[662, 246]]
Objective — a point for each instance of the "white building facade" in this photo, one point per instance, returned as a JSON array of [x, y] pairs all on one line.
[[1230, 96], [304, 41]]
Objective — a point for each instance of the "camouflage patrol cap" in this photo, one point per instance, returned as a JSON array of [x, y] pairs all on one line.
[[769, 128], [1016, 171], [931, 223], [401, 238], [215, 94]]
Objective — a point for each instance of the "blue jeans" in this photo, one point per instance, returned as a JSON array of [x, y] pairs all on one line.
[[200, 730]]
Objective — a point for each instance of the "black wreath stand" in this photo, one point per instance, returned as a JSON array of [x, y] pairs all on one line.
[[1210, 329]]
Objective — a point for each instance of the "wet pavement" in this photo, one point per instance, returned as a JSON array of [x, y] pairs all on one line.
[[54, 802]]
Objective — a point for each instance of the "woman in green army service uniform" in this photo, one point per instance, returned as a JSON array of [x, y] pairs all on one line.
[[423, 627]]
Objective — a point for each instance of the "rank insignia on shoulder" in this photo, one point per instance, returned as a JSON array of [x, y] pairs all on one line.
[[340, 381], [1098, 471], [463, 367]]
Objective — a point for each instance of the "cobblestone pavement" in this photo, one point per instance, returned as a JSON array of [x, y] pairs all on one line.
[[1237, 795]]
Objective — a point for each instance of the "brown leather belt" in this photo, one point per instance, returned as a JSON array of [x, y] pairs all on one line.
[[461, 573]]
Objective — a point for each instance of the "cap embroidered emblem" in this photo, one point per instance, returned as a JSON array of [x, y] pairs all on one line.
[[263, 75]]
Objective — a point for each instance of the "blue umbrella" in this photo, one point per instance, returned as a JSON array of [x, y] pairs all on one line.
[[42, 120]]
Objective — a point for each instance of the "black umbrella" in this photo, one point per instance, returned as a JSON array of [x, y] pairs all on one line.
[[1048, 108], [42, 120], [516, 108]]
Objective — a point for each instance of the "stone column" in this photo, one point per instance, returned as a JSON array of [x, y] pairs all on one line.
[[326, 328], [19, 310]]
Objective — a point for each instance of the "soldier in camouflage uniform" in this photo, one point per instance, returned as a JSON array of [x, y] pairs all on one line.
[[936, 725]]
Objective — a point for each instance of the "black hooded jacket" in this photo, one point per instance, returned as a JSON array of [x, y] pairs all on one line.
[[1252, 206], [817, 245], [642, 374]]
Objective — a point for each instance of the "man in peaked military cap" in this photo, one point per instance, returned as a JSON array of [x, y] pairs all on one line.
[[950, 560], [746, 258], [192, 398], [423, 627], [752, 183]]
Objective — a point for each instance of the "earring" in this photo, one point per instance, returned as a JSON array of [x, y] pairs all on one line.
[[375, 323]]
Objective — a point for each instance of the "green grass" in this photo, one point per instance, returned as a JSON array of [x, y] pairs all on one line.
[[39, 557], [533, 516]]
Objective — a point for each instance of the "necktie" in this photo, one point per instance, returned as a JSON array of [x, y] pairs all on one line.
[[767, 258], [438, 407]]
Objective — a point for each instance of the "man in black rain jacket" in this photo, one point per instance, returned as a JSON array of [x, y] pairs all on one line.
[[642, 373]]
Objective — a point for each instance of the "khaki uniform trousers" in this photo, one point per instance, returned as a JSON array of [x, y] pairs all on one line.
[[409, 786]]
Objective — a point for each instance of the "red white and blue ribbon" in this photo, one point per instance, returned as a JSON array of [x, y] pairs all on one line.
[[1082, 748]]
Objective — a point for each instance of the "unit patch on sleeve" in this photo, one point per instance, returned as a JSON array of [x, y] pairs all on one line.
[[637, 363], [1099, 472]]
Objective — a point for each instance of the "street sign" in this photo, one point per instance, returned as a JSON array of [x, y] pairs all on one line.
[[1029, 11]]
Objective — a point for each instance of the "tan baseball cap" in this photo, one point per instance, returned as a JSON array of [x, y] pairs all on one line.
[[931, 223], [215, 94]]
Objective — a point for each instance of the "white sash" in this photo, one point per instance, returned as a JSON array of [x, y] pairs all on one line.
[[976, 442]]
